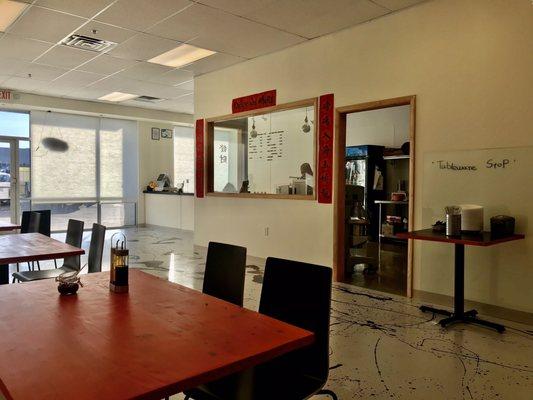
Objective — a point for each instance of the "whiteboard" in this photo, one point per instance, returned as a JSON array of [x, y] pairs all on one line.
[[500, 180]]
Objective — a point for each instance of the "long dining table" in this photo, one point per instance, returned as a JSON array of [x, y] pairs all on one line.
[[158, 339], [27, 247]]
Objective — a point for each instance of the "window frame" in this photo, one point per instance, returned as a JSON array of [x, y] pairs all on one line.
[[209, 150]]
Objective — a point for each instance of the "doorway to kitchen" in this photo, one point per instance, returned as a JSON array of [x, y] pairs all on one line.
[[374, 194]]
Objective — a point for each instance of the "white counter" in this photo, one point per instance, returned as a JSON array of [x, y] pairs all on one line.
[[169, 209]]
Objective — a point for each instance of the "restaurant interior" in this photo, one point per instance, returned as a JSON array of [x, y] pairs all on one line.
[[266, 199]]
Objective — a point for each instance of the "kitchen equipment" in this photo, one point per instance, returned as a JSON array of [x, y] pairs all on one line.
[[502, 226], [471, 218]]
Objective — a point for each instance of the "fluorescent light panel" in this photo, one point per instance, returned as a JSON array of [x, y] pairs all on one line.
[[9, 12], [181, 55], [118, 96]]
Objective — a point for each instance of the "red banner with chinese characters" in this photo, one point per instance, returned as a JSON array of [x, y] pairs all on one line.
[[254, 101], [199, 158], [325, 149]]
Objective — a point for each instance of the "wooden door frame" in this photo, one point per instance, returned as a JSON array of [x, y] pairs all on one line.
[[339, 181]]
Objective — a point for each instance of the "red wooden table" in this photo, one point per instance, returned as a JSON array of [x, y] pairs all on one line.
[[31, 247], [482, 239], [159, 339], [8, 226]]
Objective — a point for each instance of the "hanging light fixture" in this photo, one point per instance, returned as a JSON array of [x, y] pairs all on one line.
[[253, 132], [306, 128]]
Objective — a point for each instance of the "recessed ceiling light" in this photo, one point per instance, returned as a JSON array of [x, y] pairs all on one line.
[[9, 12], [181, 55], [118, 96]]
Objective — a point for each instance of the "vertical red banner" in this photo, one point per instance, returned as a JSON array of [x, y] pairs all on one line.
[[325, 149], [199, 158]]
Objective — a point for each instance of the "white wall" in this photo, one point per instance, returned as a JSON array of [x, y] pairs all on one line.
[[470, 64], [384, 127]]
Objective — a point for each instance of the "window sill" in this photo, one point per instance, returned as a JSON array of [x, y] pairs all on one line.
[[262, 196]]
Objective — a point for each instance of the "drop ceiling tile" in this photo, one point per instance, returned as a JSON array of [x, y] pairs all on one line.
[[10, 66], [217, 30], [77, 79], [153, 89], [24, 49], [144, 71], [115, 83], [83, 8], [142, 47], [397, 4], [313, 18], [88, 93], [105, 64], [212, 63], [174, 77], [237, 7], [66, 57], [140, 14], [105, 32], [188, 85], [42, 24], [23, 84], [39, 72]]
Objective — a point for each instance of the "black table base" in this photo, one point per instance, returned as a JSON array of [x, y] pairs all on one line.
[[459, 315]]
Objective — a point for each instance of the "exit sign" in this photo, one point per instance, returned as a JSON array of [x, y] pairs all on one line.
[[6, 94]]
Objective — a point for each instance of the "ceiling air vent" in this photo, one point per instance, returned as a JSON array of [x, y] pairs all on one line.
[[88, 43], [148, 99]]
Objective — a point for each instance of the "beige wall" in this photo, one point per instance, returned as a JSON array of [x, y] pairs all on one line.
[[470, 63]]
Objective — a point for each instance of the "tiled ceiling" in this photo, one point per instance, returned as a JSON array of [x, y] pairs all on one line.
[[35, 61]]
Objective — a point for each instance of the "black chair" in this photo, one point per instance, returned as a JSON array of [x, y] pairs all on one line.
[[30, 223], [44, 227], [96, 248], [299, 294], [74, 238], [224, 272]]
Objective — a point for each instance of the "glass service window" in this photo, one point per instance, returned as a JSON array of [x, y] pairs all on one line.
[[270, 154]]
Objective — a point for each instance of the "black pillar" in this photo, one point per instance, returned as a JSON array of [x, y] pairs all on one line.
[[4, 274], [459, 291]]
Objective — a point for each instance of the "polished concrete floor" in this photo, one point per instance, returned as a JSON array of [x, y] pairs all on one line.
[[382, 346]]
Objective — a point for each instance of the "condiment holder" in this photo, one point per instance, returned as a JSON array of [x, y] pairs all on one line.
[[118, 277], [69, 282]]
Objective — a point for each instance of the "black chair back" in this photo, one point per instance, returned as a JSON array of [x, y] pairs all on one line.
[[25, 221], [224, 272], [96, 249], [300, 294], [74, 238], [34, 222], [44, 225]]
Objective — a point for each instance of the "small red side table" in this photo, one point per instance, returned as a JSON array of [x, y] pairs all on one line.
[[482, 239]]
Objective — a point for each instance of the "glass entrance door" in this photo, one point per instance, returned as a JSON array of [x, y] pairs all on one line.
[[8, 180]]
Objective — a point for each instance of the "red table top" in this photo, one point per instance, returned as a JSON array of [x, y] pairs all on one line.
[[8, 226], [33, 247], [480, 239], [160, 338]]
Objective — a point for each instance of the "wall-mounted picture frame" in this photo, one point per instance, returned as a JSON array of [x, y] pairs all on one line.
[[156, 133], [166, 133]]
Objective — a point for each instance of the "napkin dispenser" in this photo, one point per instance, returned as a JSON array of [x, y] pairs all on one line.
[[118, 278], [471, 218], [502, 226]]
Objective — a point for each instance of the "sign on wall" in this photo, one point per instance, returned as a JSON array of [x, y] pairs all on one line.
[[199, 158], [325, 149], [6, 94], [254, 101]]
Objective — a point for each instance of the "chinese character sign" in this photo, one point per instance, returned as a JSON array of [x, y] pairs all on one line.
[[325, 149], [200, 158]]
